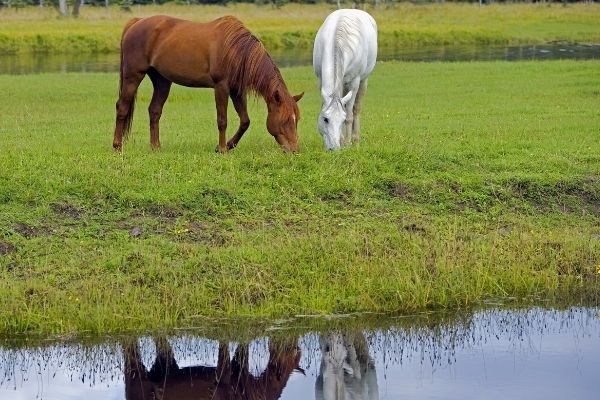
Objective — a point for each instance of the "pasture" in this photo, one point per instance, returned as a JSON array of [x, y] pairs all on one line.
[[472, 181]]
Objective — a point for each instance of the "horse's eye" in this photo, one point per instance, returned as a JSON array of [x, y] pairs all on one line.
[[326, 120]]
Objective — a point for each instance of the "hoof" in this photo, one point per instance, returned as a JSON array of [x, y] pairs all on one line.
[[221, 150]]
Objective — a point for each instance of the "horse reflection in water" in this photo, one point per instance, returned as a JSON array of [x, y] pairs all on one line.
[[229, 380], [347, 371]]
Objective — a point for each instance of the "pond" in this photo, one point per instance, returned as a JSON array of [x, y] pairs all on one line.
[[39, 63], [496, 353]]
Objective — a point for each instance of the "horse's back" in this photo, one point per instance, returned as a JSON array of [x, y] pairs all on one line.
[[140, 36], [184, 52], [141, 29], [354, 34], [150, 29]]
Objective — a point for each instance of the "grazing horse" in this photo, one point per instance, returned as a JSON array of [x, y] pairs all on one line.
[[344, 55], [229, 380], [221, 54]]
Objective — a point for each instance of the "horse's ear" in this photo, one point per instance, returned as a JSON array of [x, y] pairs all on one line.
[[346, 98], [298, 97]]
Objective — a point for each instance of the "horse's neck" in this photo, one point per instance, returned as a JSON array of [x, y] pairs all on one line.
[[332, 70], [269, 82], [277, 85]]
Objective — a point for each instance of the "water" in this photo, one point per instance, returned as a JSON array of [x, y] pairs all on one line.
[[39, 63], [491, 354]]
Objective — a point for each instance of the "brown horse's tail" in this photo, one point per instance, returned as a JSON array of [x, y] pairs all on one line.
[[129, 117]]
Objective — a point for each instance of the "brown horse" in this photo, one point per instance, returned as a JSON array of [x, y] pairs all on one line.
[[230, 380], [221, 54]]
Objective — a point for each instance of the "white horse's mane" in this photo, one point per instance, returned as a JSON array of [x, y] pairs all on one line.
[[347, 39]]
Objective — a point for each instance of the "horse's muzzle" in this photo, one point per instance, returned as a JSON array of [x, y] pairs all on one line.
[[286, 145], [290, 149]]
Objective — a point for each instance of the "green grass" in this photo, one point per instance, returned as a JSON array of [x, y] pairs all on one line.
[[294, 26], [473, 180]]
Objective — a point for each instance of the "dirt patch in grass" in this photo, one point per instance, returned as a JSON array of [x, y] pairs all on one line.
[[139, 224], [166, 212], [343, 195], [566, 196], [136, 231], [400, 190], [413, 224], [28, 231], [165, 224], [202, 233], [395, 189], [414, 228], [66, 210], [526, 194], [6, 248]]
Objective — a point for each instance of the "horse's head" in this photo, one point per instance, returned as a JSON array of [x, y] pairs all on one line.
[[282, 120], [332, 118]]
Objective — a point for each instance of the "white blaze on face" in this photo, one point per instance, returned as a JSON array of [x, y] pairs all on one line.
[[331, 122]]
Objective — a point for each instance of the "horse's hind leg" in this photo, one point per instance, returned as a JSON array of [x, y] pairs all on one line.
[[239, 102], [221, 100], [125, 106], [356, 111], [162, 86]]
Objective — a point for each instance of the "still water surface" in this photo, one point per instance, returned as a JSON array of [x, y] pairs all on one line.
[[39, 63], [490, 354]]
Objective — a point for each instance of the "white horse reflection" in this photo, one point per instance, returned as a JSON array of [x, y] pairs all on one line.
[[344, 56], [347, 371]]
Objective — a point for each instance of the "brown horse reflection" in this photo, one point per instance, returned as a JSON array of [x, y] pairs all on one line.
[[229, 380], [221, 54]]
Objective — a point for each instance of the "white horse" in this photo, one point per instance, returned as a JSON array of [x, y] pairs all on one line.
[[344, 55], [347, 371]]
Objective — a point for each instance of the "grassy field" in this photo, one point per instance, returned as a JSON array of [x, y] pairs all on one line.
[[294, 26], [473, 181]]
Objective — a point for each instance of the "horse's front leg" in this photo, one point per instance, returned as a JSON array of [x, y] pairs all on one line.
[[239, 102], [349, 106], [240, 363], [221, 99], [356, 111]]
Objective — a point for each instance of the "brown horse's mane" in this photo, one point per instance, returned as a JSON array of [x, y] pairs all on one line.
[[246, 61]]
